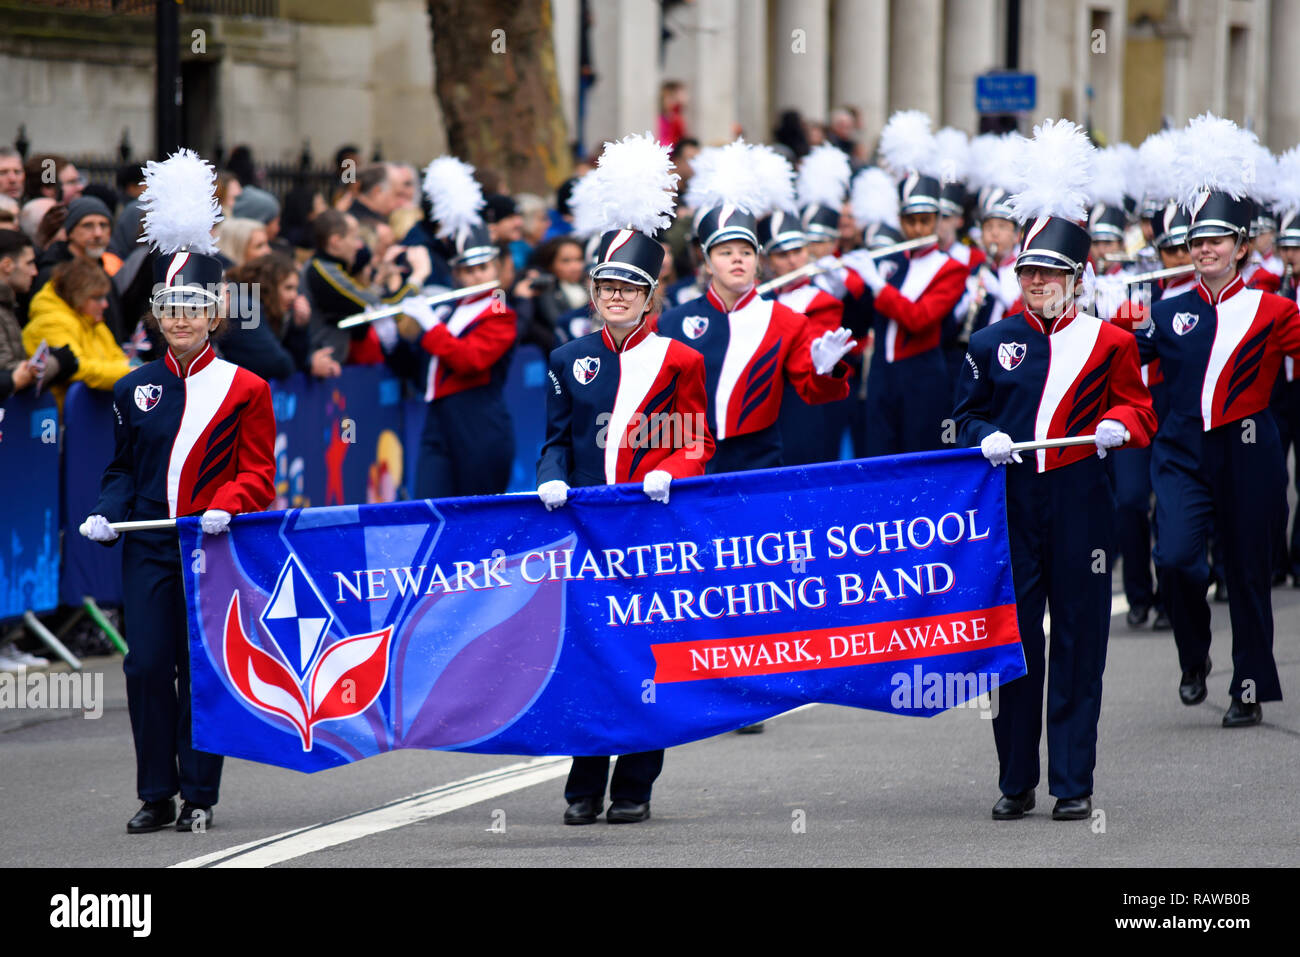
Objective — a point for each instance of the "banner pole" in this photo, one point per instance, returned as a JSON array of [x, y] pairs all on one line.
[[142, 525], [1058, 443]]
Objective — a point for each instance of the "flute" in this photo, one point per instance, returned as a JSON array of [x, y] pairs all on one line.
[[1160, 274], [370, 315], [813, 269]]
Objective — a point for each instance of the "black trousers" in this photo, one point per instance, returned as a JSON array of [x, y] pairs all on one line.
[[157, 669], [468, 445], [634, 776]]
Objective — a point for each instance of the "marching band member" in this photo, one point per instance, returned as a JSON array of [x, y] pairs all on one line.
[[994, 286], [603, 383], [954, 165], [1286, 394], [468, 444], [909, 392], [1264, 268], [751, 346], [194, 435], [1218, 455], [820, 188], [1049, 372]]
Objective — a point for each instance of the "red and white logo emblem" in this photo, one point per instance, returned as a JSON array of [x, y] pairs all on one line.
[[695, 326], [147, 396], [1010, 354], [585, 369], [1184, 322], [886, 268]]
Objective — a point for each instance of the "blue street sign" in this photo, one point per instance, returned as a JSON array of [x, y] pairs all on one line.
[[1006, 92]]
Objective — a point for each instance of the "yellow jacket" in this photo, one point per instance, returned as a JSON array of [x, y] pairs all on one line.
[[101, 360]]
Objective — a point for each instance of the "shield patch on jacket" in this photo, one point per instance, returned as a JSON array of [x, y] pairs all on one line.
[[147, 396], [1010, 354], [585, 369], [695, 326], [1184, 322]]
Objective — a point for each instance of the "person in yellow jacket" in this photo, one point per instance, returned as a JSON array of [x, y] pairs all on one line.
[[69, 311]]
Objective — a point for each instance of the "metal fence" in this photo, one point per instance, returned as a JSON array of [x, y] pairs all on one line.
[[277, 178]]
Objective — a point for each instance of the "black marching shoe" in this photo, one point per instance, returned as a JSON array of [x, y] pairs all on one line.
[[628, 812], [583, 811], [1012, 807], [1192, 688], [1072, 809], [1220, 591], [152, 816], [1137, 615], [751, 729], [1162, 622], [1242, 715], [194, 817]]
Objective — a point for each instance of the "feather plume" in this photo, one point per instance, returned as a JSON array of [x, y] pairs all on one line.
[[1158, 157], [727, 174], [454, 194], [1264, 187], [632, 187], [1217, 155], [907, 145], [953, 149], [874, 198], [823, 177], [179, 204], [1288, 181], [1053, 172], [1109, 169], [777, 176], [991, 160]]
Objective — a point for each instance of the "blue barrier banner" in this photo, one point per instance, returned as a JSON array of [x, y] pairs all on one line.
[[29, 507], [608, 626], [89, 568]]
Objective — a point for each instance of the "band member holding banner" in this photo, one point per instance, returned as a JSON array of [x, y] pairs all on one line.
[[623, 404], [194, 436], [751, 346], [1053, 372], [1218, 458], [468, 445]]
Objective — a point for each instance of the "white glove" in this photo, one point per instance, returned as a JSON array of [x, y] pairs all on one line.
[[656, 485], [553, 493], [997, 449], [386, 331], [215, 521], [865, 266], [1112, 293], [1110, 434], [418, 308], [829, 348], [97, 529], [832, 277]]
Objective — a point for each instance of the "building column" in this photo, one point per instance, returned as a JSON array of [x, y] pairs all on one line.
[[753, 79], [860, 61], [625, 97], [800, 55], [1283, 75], [564, 36], [712, 108], [972, 45], [915, 49]]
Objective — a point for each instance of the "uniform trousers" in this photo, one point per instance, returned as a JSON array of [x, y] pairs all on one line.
[[1286, 410], [1227, 479], [1134, 528], [634, 776], [908, 402], [468, 445]]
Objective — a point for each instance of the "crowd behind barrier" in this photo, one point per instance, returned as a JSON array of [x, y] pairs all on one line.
[[343, 441]]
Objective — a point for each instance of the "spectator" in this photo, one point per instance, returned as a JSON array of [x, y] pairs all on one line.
[[126, 230], [52, 175], [30, 216], [790, 132], [501, 214], [672, 109], [562, 215], [269, 334], [842, 133], [51, 229], [533, 221], [239, 240], [228, 190], [549, 289], [241, 164], [8, 212], [70, 311], [258, 204], [406, 198], [12, 174], [17, 270], [347, 160], [375, 200], [301, 206]]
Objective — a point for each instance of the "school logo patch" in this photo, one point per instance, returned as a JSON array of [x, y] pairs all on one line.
[[886, 268], [1184, 322], [1010, 354], [147, 396], [695, 326], [585, 369]]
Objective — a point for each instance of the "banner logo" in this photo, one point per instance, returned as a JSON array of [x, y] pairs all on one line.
[[1010, 354], [147, 396], [695, 326], [585, 369], [1184, 322]]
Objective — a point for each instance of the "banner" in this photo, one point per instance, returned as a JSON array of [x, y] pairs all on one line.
[[611, 625], [29, 548]]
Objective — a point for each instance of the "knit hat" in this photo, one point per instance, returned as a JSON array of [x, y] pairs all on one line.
[[258, 204], [84, 206]]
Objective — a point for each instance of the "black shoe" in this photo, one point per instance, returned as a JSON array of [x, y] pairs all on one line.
[[628, 812], [1242, 715], [194, 817], [1279, 577], [1137, 615], [1011, 807], [1220, 591], [152, 816], [1192, 688], [1162, 621], [751, 729], [1072, 809], [583, 811]]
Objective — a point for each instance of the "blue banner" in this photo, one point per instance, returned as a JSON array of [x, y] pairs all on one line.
[[611, 625], [29, 549]]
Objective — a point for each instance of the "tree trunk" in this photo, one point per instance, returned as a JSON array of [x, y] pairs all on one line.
[[496, 82]]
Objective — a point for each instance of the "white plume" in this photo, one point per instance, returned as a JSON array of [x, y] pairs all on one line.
[[874, 198], [777, 176], [823, 177], [1053, 172], [1109, 169], [953, 150], [1288, 181], [1158, 157], [1217, 155], [454, 194], [727, 174], [1264, 188], [1131, 168], [991, 159], [907, 145], [632, 187], [179, 204]]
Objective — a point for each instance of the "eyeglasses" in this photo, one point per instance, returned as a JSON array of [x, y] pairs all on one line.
[[620, 292]]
